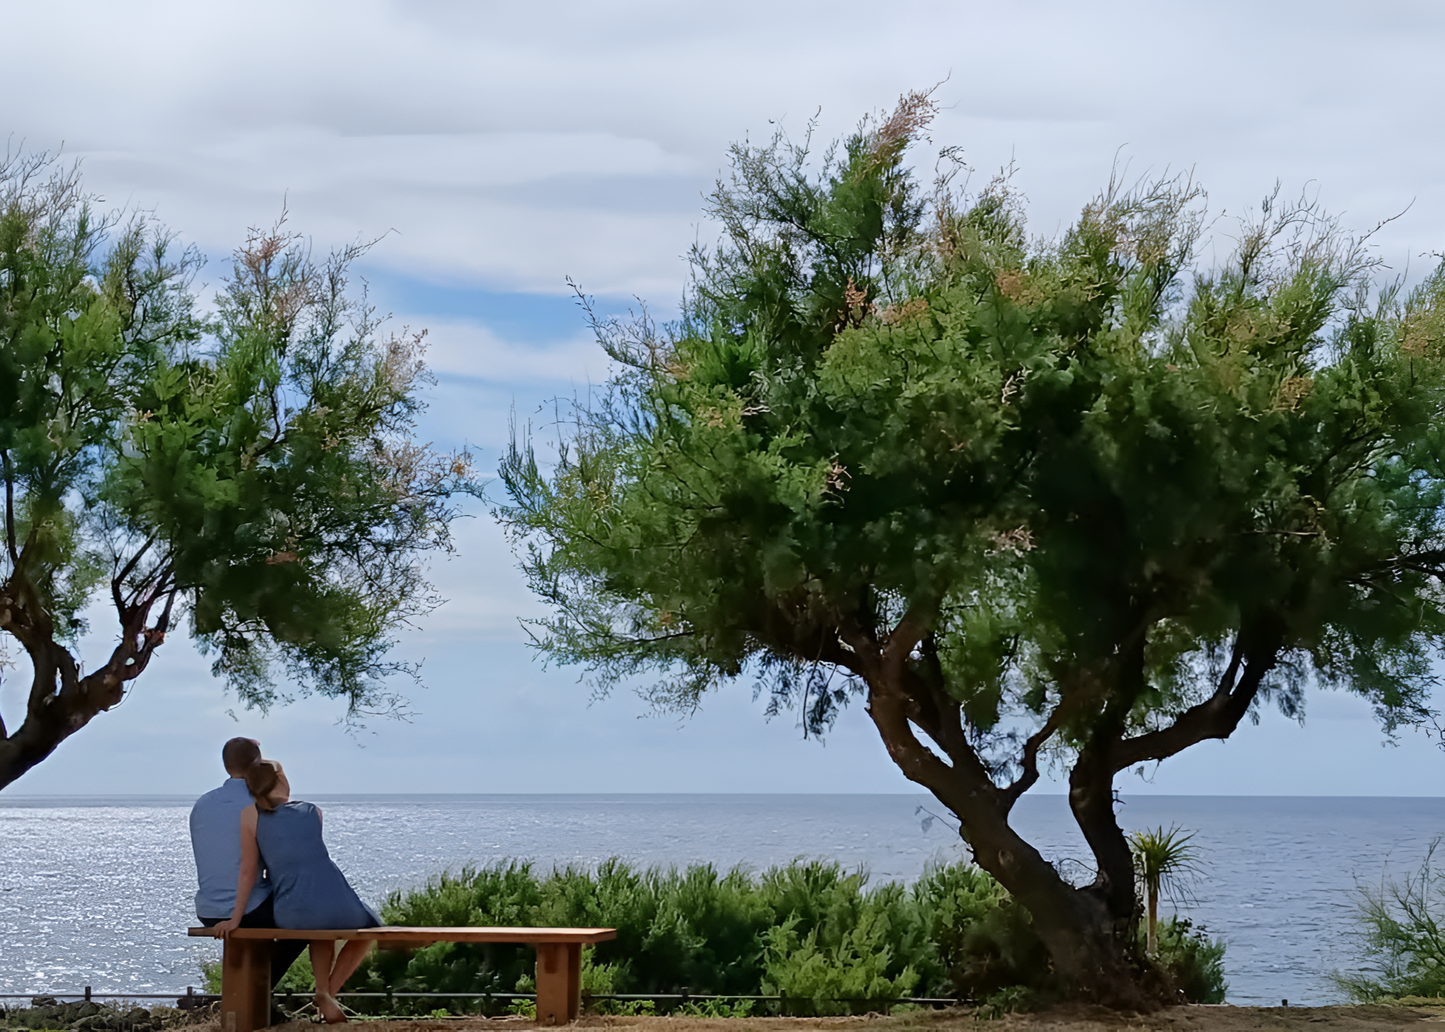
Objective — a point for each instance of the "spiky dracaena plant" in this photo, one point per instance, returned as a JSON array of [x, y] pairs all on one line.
[[1165, 862]]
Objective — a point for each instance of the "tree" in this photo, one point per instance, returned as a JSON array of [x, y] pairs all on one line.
[[1083, 501], [1161, 859], [252, 470]]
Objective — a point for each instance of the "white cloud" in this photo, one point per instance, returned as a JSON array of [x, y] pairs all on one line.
[[471, 349], [510, 146]]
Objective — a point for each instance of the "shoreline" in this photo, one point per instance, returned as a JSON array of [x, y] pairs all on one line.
[[1221, 1017]]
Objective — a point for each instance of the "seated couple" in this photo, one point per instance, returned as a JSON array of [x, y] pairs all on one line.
[[261, 863]]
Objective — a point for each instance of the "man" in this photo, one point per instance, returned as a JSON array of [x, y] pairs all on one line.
[[216, 842]]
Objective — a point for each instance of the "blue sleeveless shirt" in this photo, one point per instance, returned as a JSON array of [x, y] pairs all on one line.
[[308, 889]]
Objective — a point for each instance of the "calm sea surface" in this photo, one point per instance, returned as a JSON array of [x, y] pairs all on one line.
[[97, 891]]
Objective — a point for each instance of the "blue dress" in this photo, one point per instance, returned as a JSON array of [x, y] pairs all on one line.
[[308, 889]]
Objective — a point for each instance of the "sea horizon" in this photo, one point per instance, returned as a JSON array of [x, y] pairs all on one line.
[[168, 796], [96, 889]]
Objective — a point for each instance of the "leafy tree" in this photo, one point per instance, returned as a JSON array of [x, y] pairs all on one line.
[[251, 470], [1085, 500]]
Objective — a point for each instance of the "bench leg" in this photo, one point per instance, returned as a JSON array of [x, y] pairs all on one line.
[[245, 985], [559, 982]]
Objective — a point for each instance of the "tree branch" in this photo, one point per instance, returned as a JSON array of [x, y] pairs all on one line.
[[1215, 717], [119, 579], [934, 709], [9, 509], [1030, 761]]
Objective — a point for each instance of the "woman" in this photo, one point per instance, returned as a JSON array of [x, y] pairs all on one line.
[[308, 890]]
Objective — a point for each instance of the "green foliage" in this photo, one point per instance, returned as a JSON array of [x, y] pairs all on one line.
[[809, 930], [1084, 500], [297, 979], [1194, 961], [714, 1008], [211, 977], [1251, 440], [694, 928], [1009, 1000], [817, 975], [985, 941], [1163, 861], [1403, 932], [253, 469], [1162, 858]]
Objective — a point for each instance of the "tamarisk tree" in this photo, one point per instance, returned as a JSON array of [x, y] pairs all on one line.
[[250, 472], [1087, 501]]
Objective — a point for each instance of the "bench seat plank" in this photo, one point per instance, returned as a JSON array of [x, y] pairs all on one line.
[[393, 933], [246, 970]]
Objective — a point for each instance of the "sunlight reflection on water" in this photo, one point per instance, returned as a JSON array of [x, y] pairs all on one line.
[[98, 891]]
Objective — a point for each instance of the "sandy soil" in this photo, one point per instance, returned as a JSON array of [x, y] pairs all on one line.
[[1061, 1019]]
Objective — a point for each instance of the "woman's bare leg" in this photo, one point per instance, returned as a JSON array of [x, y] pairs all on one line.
[[323, 954], [348, 961]]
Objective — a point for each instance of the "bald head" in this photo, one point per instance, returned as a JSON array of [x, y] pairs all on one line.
[[239, 754]]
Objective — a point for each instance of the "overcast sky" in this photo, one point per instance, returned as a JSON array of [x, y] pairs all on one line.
[[500, 148]]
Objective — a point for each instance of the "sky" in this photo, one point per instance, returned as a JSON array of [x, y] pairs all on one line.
[[495, 150]]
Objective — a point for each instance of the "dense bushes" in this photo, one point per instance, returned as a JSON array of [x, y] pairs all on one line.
[[1195, 961], [811, 931]]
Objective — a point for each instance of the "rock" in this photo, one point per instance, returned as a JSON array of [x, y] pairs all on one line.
[[44, 1001]]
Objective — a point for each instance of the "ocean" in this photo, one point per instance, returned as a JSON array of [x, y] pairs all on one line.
[[98, 891]]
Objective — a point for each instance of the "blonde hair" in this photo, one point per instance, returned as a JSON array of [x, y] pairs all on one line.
[[261, 778]]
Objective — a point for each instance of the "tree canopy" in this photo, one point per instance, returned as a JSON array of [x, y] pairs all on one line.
[[250, 469], [1087, 500]]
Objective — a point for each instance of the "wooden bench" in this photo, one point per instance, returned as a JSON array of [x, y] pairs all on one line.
[[246, 964]]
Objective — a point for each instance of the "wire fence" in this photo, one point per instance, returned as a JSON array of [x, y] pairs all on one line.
[[190, 999]]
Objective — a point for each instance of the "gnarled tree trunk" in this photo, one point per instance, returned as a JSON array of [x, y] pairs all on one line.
[[1089, 930], [60, 701]]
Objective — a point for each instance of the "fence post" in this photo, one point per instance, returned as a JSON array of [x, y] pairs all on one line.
[[87, 994]]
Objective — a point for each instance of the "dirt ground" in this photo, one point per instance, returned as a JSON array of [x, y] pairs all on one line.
[[1221, 1018]]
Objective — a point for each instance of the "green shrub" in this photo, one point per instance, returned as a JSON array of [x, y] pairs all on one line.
[[714, 1008], [849, 975], [1008, 1000], [298, 977], [811, 930], [211, 977], [983, 941], [1193, 960], [1402, 936]]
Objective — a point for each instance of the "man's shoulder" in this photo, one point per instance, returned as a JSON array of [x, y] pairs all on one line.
[[212, 799]]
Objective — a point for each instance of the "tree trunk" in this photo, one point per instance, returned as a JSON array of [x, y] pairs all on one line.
[[1085, 930], [60, 701], [1151, 945], [1090, 957]]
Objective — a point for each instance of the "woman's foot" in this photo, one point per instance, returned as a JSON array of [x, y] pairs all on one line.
[[328, 1008]]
